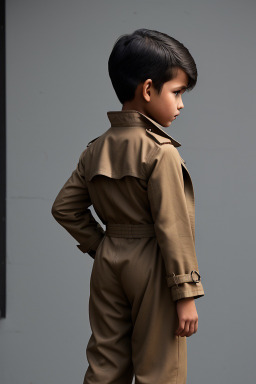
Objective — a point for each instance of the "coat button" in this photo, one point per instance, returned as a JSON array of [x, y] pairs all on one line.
[[149, 129]]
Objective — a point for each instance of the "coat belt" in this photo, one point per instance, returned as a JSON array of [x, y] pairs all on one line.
[[130, 230]]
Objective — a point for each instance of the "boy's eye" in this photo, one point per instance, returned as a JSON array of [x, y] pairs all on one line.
[[179, 91]]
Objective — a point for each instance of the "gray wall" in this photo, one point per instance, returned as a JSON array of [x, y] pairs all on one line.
[[58, 94]]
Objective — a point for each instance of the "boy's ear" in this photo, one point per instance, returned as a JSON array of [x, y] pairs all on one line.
[[147, 89]]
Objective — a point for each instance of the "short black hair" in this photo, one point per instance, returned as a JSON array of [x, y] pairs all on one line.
[[147, 54]]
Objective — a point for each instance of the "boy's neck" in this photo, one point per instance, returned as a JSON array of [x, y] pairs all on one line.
[[130, 105]]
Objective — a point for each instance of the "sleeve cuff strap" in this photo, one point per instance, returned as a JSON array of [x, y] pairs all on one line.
[[193, 277]]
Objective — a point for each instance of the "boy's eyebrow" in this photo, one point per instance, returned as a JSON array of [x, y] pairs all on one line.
[[183, 87]]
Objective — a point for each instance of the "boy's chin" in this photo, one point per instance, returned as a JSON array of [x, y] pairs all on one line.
[[167, 124]]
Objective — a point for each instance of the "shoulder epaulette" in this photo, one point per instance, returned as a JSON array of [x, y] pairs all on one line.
[[158, 138], [92, 141]]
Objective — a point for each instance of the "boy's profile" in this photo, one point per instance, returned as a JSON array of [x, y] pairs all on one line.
[[145, 275]]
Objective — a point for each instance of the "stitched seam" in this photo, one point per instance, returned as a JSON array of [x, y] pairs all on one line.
[[149, 157], [192, 290], [119, 173], [178, 294]]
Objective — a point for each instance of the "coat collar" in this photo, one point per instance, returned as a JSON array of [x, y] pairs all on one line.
[[134, 118]]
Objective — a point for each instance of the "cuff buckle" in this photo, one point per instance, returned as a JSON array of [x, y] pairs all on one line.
[[199, 277]]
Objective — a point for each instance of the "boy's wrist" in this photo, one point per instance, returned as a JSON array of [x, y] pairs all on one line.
[[186, 298]]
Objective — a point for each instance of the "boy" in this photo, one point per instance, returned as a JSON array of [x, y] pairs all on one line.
[[145, 276]]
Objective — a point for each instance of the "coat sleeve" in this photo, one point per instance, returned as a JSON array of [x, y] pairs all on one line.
[[172, 223], [71, 211]]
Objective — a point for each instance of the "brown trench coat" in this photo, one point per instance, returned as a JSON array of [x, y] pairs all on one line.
[[145, 260]]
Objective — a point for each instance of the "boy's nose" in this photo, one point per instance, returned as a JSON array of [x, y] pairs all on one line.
[[181, 105]]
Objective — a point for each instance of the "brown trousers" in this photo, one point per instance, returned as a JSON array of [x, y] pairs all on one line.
[[132, 314]]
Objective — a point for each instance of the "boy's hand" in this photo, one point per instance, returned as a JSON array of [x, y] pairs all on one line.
[[188, 317]]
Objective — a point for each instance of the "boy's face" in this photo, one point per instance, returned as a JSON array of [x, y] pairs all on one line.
[[164, 106]]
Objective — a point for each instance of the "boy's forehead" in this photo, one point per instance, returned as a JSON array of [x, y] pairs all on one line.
[[180, 79]]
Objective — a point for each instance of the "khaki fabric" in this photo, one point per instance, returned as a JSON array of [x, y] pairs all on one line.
[[145, 260]]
